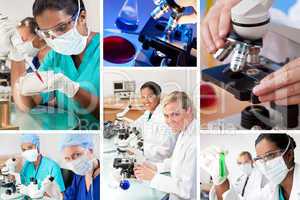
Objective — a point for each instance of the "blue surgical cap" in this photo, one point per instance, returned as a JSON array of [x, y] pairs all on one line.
[[82, 140], [31, 138]]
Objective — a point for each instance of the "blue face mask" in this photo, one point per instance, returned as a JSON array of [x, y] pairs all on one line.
[[81, 166]]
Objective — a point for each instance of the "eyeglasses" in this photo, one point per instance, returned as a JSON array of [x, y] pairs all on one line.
[[58, 30], [268, 156]]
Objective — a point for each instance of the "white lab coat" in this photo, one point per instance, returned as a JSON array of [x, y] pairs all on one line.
[[159, 140], [269, 192], [182, 182], [7, 30], [255, 183]]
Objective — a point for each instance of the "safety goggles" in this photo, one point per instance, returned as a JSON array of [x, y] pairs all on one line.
[[272, 154], [58, 30], [268, 156]]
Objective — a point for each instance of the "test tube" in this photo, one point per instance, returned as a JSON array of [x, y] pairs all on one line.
[[222, 168]]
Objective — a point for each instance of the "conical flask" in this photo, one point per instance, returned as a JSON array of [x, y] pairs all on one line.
[[127, 20]]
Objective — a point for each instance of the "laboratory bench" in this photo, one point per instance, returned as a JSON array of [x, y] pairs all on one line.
[[137, 190], [42, 118], [2, 190], [225, 106], [112, 106]]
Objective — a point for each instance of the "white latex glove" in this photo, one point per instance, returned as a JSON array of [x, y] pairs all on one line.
[[191, 18], [209, 161], [15, 55], [7, 30], [23, 189], [51, 188], [37, 194], [30, 84]]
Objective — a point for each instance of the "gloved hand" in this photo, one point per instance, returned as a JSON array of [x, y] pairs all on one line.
[[23, 189], [50, 187], [210, 162], [30, 84], [7, 30]]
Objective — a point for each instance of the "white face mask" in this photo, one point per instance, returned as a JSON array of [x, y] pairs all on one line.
[[30, 155], [246, 168], [274, 170], [81, 166], [71, 42], [25, 48]]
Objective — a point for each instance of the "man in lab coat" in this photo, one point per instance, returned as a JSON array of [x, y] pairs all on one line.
[[180, 115], [251, 180]]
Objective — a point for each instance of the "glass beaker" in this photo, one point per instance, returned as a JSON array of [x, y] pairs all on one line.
[[127, 21]]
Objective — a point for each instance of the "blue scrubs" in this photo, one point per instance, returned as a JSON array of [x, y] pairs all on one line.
[[87, 75], [47, 167], [281, 197], [78, 191]]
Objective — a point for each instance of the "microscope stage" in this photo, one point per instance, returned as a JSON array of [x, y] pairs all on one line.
[[240, 84]]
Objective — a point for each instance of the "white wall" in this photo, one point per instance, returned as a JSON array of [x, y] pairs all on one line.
[[235, 143], [49, 145], [19, 9], [169, 80]]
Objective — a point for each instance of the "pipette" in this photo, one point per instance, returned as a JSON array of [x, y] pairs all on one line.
[[34, 69]]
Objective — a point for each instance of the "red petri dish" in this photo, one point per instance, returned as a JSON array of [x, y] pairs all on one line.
[[208, 96], [118, 50]]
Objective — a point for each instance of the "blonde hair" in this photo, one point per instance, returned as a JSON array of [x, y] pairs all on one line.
[[182, 98], [246, 153]]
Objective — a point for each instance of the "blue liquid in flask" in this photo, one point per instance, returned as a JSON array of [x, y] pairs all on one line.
[[127, 20]]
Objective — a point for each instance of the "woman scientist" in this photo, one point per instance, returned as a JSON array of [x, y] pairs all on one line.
[[71, 68], [182, 183], [36, 165], [159, 141], [275, 160], [20, 40], [77, 151]]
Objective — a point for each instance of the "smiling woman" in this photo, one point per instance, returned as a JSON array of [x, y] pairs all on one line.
[[74, 61], [159, 141]]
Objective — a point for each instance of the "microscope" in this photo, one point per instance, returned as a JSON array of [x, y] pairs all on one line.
[[8, 180], [34, 192], [250, 21], [128, 139], [4, 69], [5, 103], [165, 42]]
